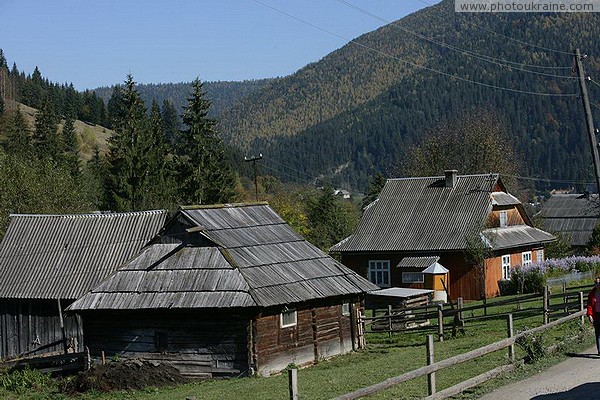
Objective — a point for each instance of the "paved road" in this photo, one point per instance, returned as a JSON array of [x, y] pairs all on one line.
[[577, 378]]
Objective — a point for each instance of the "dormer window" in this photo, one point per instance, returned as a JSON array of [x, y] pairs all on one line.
[[503, 218]]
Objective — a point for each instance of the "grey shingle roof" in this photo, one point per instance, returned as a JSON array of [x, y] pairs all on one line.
[[575, 215], [63, 256], [256, 260], [514, 236], [422, 214]]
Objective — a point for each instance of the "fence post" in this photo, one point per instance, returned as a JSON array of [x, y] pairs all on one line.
[[459, 305], [566, 307], [430, 360], [581, 308], [390, 326], [440, 311], [511, 348], [545, 305], [293, 383]]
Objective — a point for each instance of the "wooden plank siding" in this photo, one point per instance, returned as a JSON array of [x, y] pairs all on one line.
[[513, 216], [194, 342], [494, 268], [27, 325], [321, 331]]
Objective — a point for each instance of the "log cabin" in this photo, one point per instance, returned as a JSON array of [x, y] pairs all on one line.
[[450, 217], [226, 290]]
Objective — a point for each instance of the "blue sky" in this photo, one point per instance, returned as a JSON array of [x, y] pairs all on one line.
[[97, 43]]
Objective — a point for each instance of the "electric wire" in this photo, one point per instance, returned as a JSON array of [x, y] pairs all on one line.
[[593, 81], [500, 34], [482, 57], [529, 178], [446, 74]]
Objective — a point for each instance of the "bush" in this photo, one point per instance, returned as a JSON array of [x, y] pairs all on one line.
[[533, 345], [530, 280]]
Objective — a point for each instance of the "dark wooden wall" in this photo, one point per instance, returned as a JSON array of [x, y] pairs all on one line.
[[27, 325], [321, 332], [197, 343]]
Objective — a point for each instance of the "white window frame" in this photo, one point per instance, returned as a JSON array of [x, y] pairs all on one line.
[[525, 258], [411, 277], [380, 269], [503, 219], [346, 309], [506, 267], [294, 318], [539, 255]]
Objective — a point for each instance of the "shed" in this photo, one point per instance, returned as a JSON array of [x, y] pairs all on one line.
[[47, 261], [225, 291]]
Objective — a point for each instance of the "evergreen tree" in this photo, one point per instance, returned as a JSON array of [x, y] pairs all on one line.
[[17, 139], [203, 165], [170, 121], [45, 137], [70, 147], [376, 184], [129, 148], [114, 106], [161, 182], [94, 180]]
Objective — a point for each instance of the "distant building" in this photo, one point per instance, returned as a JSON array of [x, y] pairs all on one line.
[[573, 216], [342, 193], [444, 217]]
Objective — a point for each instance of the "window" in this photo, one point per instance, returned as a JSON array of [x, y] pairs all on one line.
[[525, 258], [379, 272], [503, 218], [506, 267], [289, 318], [412, 277], [346, 309], [540, 255]]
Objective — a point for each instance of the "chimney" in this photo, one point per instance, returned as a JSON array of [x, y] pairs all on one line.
[[451, 176]]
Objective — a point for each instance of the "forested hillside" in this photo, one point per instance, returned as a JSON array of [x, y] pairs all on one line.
[[361, 109], [221, 94]]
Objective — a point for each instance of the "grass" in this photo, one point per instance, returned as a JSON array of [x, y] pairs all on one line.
[[383, 358]]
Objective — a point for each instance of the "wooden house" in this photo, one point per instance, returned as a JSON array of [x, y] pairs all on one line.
[[572, 215], [48, 261], [226, 290], [450, 217]]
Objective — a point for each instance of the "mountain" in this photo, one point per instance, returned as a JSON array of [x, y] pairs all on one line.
[[221, 94], [361, 108]]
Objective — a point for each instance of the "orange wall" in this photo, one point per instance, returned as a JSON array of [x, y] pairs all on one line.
[[493, 273], [513, 217]]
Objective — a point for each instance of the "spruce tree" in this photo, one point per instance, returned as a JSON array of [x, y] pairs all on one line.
[[203, 165], [70, 147], [129, 148], [17, 140], [170, 121], [45, 136]]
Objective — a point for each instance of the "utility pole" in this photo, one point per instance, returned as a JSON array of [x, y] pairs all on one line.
[[254, 160], [589, 121]]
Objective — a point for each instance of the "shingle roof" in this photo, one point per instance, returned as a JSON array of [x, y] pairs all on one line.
[[422, 214], [515, 236], [573, 214], [256, 260], [63, 256]]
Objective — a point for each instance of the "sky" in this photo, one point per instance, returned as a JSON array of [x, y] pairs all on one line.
[[97, 43]]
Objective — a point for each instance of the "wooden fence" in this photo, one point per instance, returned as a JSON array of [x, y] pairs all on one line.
[[55, 364], [433, 366], [549, 306]]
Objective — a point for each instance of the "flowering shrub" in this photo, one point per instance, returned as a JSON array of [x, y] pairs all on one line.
[[532, 278]]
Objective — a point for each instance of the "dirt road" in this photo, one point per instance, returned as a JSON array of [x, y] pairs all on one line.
[[576, 378]]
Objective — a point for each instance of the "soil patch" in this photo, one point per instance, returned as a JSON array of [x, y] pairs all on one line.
[[124, 375]]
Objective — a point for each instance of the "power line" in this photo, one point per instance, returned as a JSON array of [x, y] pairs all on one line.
[[446, 74], [528, 178], [482, 57], [499, 34]]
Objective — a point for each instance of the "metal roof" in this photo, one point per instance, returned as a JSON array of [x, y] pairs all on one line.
[[417, 262], [515, 236], [63, 256], [575, 215], [423, 214], [256, 259], [400, 292], [504, 199]]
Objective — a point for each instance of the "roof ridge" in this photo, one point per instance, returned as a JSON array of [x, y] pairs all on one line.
[[104, 214], [224, 205], [442, 176]]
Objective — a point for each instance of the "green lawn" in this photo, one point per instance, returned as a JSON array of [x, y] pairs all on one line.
[[383, 358]]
